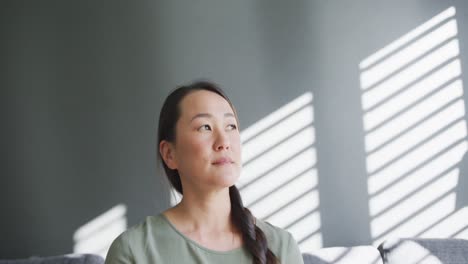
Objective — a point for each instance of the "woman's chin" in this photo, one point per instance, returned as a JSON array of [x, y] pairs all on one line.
[[226, 179]]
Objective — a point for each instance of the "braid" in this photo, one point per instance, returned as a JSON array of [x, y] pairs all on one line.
[[253, 237]]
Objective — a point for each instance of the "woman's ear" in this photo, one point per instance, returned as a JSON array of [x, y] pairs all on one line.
[[167, 152]]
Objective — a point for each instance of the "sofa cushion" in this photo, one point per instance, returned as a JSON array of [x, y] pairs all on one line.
[[63, 259], [343, 255], [424, 251]]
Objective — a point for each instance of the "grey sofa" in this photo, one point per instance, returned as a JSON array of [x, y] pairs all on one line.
[[451, 251], [397, 251], [63, 259], [360, 254]]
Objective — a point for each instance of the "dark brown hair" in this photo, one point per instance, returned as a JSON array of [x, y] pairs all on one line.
[[253, 237]]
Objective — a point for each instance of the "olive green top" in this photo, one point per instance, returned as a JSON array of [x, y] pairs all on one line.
[[156, 241]]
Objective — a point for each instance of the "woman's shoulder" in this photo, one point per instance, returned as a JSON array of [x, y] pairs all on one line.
[[132, 244], [150, 226]]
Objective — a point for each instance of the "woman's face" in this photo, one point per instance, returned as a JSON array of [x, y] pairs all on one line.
[[207, 147]]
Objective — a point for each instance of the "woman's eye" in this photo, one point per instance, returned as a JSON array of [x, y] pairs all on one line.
[[204, 127], [232, 127]]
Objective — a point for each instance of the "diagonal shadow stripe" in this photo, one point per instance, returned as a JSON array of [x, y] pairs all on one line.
[[295, 199], [409, 151], [413, 148], [411, 106], [435, 133], [411, 84], [301, 129], [320, 259], [415, 125], [410, 63], [277, 122], [415, 213], [281, 186], [406, 45], [434, 224], [421, 165], [302, 217], [308, 236], [459, 232], [424, 258], [415, 191], [342, 255], [264, 174]]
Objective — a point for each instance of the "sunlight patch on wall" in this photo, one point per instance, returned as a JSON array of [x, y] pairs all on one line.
[[415, 132], [97, 235], [279, 177]]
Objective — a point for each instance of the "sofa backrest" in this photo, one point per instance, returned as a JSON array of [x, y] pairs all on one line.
[[343, 255], [63, 259], [424, 251]]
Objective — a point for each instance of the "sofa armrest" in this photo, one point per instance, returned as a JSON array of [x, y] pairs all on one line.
[[62, 259], [420, 250]]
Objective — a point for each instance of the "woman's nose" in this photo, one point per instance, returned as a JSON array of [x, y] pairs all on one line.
[[222, 141]]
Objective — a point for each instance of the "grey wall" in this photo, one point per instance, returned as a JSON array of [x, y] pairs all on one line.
[[83, 82]]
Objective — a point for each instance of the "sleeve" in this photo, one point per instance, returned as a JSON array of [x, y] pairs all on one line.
[[119, 252], [293, 255]]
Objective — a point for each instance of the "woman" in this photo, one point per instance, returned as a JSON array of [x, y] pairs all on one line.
[[200, 149]]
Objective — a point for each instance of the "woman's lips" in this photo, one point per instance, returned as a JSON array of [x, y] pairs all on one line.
[[222, 161]]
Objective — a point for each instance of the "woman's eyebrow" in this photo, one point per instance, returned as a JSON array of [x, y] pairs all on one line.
[[206, 115], [201, 115], [229, 115]]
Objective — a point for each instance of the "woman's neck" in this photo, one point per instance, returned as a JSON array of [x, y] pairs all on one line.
[[205, 213]]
